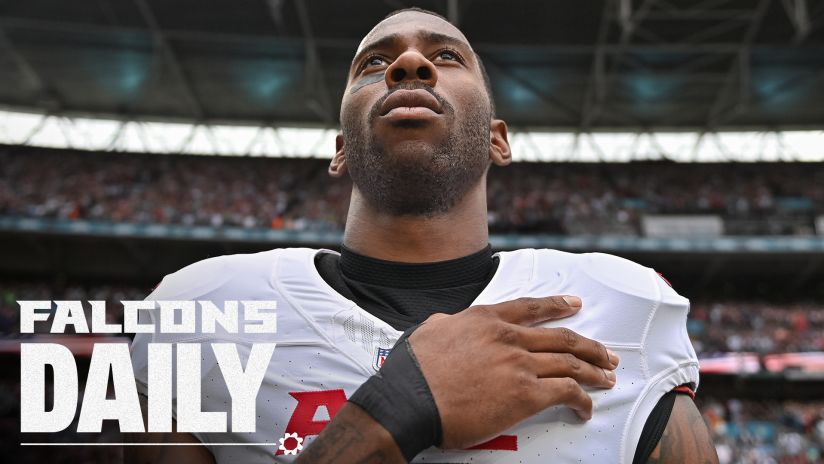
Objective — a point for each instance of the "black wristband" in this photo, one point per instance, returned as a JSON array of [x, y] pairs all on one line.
[[399, 398]]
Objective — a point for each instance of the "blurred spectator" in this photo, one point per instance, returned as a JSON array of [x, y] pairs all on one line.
[[187, 190], [759, 432], [757, 327]]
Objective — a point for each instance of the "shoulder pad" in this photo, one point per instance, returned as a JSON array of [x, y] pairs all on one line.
[[203, 277], [621, 274]]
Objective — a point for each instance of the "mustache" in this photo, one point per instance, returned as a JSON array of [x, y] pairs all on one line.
[[415, 85]]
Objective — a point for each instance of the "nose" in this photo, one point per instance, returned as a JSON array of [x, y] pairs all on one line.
[[411, 66]]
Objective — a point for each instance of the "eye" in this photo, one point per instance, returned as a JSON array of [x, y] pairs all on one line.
[[373, 60], [449, 55]]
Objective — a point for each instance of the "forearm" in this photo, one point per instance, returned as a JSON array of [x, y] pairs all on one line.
[[352, 437]]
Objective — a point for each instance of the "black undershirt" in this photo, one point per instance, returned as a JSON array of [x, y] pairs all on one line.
[[404, 294]]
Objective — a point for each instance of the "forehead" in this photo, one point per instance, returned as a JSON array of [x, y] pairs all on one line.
[[411, 23]]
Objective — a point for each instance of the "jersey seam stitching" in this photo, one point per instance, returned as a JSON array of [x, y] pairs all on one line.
[[650, 384], [644, 367]]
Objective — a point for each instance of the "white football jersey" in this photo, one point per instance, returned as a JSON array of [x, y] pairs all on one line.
[[327, 347]]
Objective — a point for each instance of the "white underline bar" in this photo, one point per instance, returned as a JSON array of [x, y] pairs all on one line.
[[149, 444]]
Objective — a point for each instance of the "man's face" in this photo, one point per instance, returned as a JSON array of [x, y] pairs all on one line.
[[415, 116]]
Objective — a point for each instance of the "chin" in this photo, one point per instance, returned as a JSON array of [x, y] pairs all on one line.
[[416, 148]]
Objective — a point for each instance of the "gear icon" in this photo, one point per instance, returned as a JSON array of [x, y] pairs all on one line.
[[291, 443]]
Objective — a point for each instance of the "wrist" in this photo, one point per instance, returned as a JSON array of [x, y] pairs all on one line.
[[398, 397]]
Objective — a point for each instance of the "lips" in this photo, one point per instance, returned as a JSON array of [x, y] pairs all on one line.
[[417, 98]]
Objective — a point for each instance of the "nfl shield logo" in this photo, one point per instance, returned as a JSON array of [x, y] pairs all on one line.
[[381, 357]]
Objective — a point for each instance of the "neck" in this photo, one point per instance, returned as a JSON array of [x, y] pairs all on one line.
[[416, 239]]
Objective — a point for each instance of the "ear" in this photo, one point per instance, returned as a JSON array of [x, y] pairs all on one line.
[[499, 152], [337, 167]]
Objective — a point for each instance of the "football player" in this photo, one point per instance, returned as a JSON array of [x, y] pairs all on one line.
[[416, 342]]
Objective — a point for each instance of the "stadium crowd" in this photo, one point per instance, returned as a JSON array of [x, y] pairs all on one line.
[[756, 327], [766, 432], [296, 194]]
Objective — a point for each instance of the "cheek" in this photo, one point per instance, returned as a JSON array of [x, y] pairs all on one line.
[[356, 106], [463, 92]]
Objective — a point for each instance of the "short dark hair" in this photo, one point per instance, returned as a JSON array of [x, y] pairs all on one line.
[[484, 74]]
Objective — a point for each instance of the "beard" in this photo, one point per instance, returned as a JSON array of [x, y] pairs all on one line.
[[430, 178]]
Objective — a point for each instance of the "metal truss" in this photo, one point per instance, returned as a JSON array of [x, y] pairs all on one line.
[[718, 51], [168, 53], [734, 96], [141, 136], [32, 77], [218, 38], [799, 15], [319, 99], [645, 25]]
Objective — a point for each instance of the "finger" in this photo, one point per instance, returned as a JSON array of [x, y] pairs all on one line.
[[563, 340], [566, 392], [559, 365], [529, 311]]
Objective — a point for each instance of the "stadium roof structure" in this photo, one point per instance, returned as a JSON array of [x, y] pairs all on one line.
[[631, 65], [143, 136]]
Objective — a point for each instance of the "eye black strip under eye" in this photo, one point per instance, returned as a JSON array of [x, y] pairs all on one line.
[[370, 79]]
